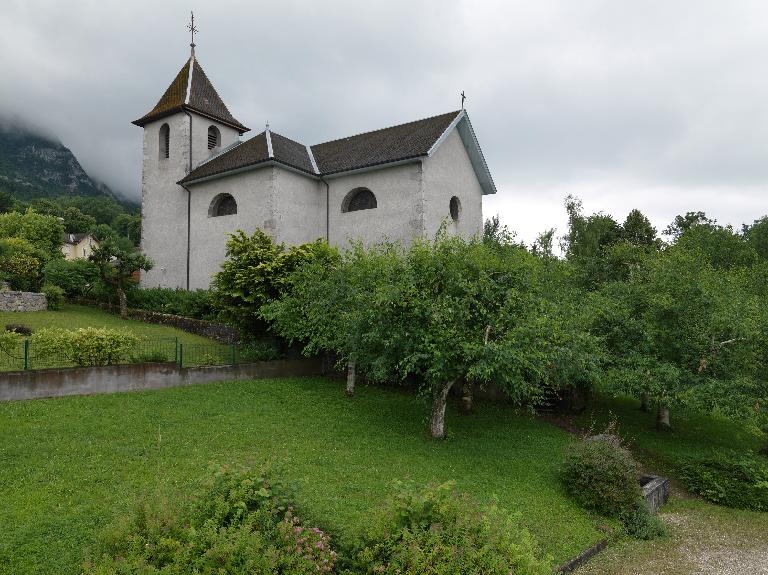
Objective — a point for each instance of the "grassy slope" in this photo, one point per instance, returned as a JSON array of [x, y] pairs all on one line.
[[75, 316], [69, 466], [692, 434]]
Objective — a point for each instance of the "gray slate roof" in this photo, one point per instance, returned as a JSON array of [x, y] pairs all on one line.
[[202, 98], [385, 146]]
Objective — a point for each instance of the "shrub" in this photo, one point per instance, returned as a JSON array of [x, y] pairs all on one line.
[[601, 476], [18, 328], [640, 523], [732, 479], [258, 351], [54, 295], [196, 304], [435, 530], [84, 346], [241, 524], [77, 278], [9, 342]]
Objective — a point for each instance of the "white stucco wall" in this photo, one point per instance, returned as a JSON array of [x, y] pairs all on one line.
[[398, 215], [300, 208], [448, 172], [164, 203], [200, 125], [254, 192]]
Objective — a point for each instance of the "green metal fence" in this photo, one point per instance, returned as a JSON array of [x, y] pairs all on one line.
[[25, 357]]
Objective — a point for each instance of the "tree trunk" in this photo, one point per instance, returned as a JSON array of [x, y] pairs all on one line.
[[467, 398], [439, 401], [645, 403], [351, 367], [123, 302], [662, 418]]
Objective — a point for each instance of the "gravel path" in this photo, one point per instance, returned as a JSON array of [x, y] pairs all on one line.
[[703, 540]]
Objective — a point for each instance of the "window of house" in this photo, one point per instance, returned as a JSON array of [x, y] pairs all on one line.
[[165, 142], [454, 206], [214, 137], [359, 199], [222, 205]]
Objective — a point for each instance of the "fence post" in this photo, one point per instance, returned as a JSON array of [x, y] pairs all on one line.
[[232, 348], [26, 354], [176, 351], [181, 355]]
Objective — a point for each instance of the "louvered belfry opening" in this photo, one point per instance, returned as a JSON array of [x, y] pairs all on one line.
[[214, 137]]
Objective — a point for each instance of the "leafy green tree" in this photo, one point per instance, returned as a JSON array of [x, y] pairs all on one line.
[[76, 222], [76, 277], [638, 230], [42, 231], [117, 267], [682, 224], [445, 311], [674, 325], [757, 236], [21, 264], [256, 272], [720, 245]]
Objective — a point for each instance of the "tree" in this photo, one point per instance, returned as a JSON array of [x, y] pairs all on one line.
[[256, 272], [673, 326], [42, 231], [117, 267], [76, 222], [682, 224], [638, 230], [440, 312], [757, 236]]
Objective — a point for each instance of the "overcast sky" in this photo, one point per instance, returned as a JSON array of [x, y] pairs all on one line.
[[656, 105]]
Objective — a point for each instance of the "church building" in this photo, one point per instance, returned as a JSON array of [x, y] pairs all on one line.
[[200, 181]]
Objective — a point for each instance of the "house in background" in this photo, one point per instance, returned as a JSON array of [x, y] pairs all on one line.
[[78, 246]]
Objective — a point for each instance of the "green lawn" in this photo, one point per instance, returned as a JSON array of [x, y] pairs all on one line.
[[69, 466], [75, 316]]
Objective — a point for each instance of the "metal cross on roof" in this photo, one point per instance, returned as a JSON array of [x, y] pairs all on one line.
[[192, 29], [463, 97]]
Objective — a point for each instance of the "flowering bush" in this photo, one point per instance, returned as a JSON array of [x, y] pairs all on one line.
[[240, 524]]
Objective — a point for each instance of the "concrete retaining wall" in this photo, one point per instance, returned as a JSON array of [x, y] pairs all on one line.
[[37, 384], [22, 301]]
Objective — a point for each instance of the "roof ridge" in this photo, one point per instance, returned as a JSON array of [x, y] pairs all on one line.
[[387, 128], [189, 77]]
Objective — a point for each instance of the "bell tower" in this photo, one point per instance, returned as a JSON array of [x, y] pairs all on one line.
[[188, 125]]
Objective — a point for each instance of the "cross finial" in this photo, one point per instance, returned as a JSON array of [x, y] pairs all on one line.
[[463, 97], [192, 30]]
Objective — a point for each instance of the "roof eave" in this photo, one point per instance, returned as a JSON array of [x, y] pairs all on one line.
[[247, 168], [143, 121], [467, 134]]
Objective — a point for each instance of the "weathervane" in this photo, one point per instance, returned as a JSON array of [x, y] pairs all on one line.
[[463, 97], [193, 30]]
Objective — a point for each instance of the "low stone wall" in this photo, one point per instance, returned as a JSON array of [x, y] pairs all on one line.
[[42, 383], [211, 329], [22, 301]]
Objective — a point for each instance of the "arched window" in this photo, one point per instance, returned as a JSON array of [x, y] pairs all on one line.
[[358, 199], [454, 206], [165, 142], [214, 137], [222, 205]]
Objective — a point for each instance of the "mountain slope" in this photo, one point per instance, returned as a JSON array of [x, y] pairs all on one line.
[[33, 166]]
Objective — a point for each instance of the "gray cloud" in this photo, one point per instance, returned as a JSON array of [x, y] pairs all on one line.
[[655, 105]]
